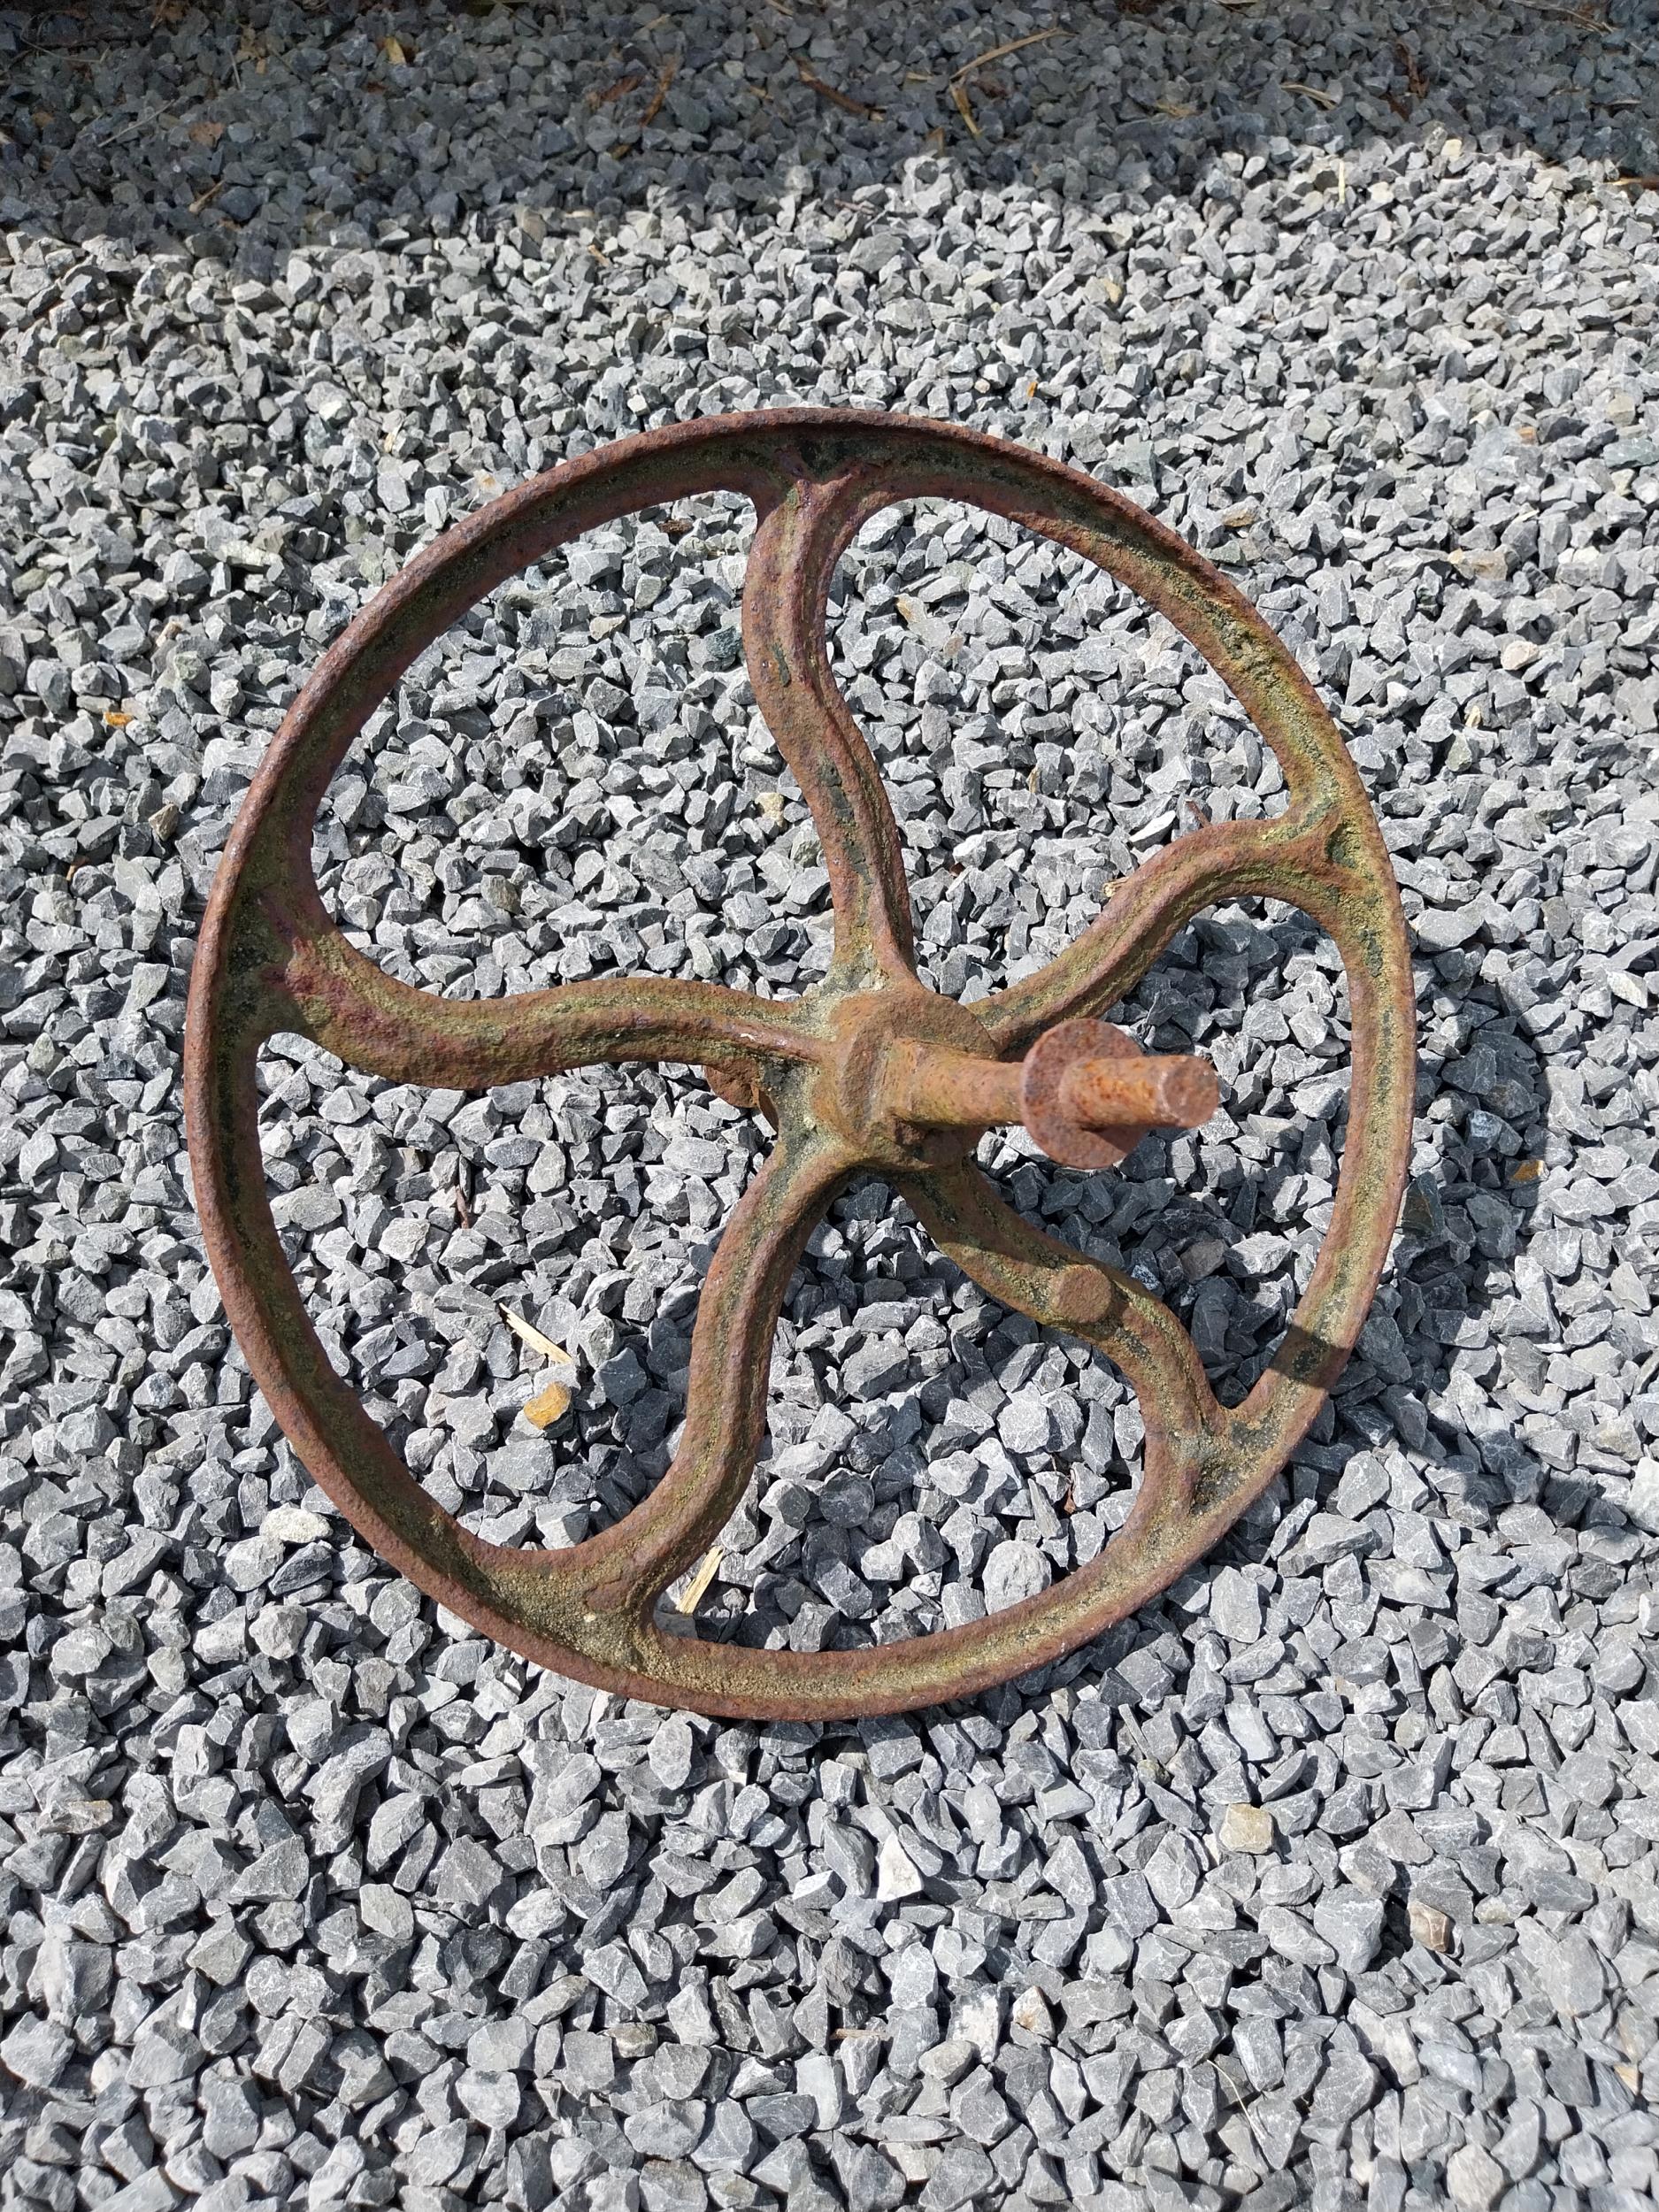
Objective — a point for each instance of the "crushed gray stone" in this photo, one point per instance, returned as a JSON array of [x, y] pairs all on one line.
[[1329, 1880]]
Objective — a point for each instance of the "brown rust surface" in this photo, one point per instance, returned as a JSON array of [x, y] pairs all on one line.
[[1101, 1081], [1163, 1091], [830, 1071]]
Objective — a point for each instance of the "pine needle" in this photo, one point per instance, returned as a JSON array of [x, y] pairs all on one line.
[[995, 53]]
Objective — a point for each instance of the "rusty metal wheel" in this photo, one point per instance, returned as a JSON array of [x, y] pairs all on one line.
[[870, 1072]]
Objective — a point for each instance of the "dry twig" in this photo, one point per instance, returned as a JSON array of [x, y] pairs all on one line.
[[528, 1334], [697, 1588], [1584, 17], [663, 80], [1416, 83], [1008, 46], [845, 100]]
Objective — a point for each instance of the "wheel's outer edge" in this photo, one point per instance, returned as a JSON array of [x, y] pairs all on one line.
[[1194, 1490]]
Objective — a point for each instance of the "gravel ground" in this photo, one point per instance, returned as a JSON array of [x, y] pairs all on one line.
[[1330, 1878]]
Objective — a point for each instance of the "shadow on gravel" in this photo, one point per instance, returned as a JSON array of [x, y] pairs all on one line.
[[253, 130], [1427, 1376]]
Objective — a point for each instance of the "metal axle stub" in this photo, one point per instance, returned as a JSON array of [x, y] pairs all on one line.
[[1090, 1093], [871, 1073], [1085, 1091]]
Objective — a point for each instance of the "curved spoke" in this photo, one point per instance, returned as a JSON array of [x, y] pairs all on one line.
[[1038, 1275], [329, 992], [593, 1599], [1225, 861], [785, 598], [626, 1569]]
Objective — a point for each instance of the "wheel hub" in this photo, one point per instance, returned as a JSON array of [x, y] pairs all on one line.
[[853, 1091]]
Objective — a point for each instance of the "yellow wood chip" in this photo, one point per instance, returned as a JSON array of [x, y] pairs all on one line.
[[696, 1589], [1528, 1171], [528, 1334], [394, 50], [544, 1411]]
